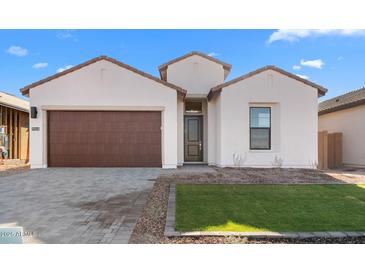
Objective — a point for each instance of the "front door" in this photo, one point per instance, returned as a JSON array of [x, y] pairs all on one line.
[[193, 139]]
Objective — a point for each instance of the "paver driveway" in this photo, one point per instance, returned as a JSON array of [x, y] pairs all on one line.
[[76, 205]]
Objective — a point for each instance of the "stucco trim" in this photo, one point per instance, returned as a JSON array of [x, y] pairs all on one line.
[[321, 90], [25, 90], [163, 68]]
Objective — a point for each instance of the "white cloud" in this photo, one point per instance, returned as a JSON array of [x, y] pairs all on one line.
[[40, 65], [340, 58], [64, 68], [18, 51], [293, 35], [66, 34], [296, 67], [213, 54], [317, 63], [303, 76]]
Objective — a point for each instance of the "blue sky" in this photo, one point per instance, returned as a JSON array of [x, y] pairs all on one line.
[[334, 59]]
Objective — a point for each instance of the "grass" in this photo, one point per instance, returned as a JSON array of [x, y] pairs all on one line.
[[282, 208]]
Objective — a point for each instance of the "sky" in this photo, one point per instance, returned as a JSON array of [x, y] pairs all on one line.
[[334, 59]]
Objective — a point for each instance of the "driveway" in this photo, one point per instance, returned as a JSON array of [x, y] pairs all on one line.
[[75, 205]]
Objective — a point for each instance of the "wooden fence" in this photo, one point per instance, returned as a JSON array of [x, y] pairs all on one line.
[[329, 150]]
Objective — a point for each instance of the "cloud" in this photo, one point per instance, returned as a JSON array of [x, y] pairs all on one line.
[[40, 65], [317, 63], [66, 34], [64, 68], [18, 51], [296, 67], [303, 76], [294, 35], [213, 54], [340, 58]]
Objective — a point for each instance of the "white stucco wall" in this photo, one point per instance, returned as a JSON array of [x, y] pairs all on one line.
[[195, 74], [103, 86], [180, 130], [212, 130], [218, 131], [351, 122], [293, 127], [205, 129]]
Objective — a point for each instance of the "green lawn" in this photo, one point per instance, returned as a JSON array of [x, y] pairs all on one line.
[[270, 208]]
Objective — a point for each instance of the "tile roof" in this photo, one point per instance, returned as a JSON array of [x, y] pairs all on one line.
[[162, 68], [321, 90], [25, 90], [347, 100]]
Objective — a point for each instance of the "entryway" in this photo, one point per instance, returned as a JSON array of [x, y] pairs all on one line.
[[193, 138]]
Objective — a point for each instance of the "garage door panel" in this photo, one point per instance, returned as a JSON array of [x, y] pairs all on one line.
[[104, 138]]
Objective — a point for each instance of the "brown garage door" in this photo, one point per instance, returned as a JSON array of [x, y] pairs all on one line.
[[104, 139]]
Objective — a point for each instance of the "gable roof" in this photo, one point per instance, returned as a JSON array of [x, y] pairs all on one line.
[[11, 101], [162, 68], [25, 90], [347, 100], [321, 90]]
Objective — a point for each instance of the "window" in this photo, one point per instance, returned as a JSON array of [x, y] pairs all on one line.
[[260, 128], [193, 106]]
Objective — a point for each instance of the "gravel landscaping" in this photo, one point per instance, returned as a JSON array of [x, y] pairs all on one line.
[[151, 223], [251, 176], [245, 240]]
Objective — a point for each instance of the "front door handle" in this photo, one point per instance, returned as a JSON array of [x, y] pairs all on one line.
[[200, 145]]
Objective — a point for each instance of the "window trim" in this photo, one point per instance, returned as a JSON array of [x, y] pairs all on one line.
[[269, 148]]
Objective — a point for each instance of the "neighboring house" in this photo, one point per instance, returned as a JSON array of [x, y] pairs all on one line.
[[346, 114], [14, 127], [106, 113]]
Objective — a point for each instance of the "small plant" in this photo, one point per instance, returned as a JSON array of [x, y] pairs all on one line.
[[239, 159], [278, 162], [313, 164]]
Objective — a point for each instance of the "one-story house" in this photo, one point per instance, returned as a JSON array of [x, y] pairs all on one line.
[[346, 114], [14, 126], [104, 113]]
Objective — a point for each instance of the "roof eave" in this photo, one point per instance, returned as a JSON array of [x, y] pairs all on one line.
[[322, 92], [14, 107]]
